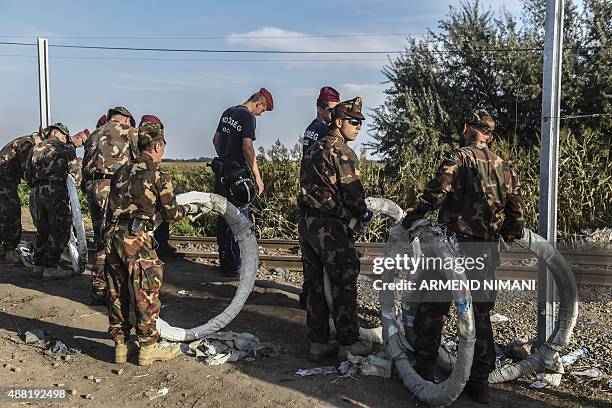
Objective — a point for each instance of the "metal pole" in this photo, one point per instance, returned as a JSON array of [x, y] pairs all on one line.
[[549, 159], [43, 82]]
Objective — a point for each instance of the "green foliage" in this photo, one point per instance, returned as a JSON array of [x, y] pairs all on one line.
[[483, 59]]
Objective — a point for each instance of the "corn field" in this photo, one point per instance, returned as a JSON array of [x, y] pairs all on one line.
[[585, 187]]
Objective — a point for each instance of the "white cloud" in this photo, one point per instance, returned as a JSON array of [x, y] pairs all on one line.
[[274, 38]]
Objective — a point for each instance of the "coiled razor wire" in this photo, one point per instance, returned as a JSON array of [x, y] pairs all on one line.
[[547, 356], [241, 228], [396, 345]]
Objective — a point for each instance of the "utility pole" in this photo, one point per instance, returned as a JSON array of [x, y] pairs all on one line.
[[43, 82], [549, 159]]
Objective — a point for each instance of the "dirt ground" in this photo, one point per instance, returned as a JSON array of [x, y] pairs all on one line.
[[60, 309]]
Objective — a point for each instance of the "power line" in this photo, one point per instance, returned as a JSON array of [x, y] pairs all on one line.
[[226, 37], [226, 51], [200, 50], [201, 60]]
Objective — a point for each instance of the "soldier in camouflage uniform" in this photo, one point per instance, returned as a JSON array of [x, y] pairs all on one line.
[[137, 192], [13, 159], [49, 164], [471, 190], [109, 147], [332, 211]]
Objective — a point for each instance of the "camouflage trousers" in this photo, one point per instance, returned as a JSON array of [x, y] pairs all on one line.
[[10, 215], [430, 318], [132, 266], [54, 221], [96, 193], [328, 245]]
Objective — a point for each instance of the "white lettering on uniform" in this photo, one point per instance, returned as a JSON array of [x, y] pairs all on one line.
[[232, 122]]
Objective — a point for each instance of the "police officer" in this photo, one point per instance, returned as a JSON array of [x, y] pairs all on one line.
[[333, 211], [233, 141], [472, 188], [137, 192], [318, 128], [50, 163], [13, 160], [109, 147]]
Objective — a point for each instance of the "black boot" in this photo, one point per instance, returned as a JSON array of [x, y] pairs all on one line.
[[478, 392], [166, 249], [98, 297]]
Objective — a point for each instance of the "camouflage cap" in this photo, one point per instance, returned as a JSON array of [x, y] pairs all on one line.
[[481, 120], [59, 126], [350, 109], [122, 111], [149, 132]]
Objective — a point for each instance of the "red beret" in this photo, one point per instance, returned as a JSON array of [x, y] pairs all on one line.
[[87, 132], [329, 94], [268, 96], [101, 121], [150, 119]]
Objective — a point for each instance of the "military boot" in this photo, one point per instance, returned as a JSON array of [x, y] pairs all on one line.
[[156, 352], [11, 257], [123, 351], [57, 273], [97, 297], [478, 392], [37, 271], [361, 347], [318, 351]]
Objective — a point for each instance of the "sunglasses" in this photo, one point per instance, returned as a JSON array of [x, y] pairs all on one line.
[[354, 122]]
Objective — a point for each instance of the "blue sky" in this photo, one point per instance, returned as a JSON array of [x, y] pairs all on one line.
[[189, 91]]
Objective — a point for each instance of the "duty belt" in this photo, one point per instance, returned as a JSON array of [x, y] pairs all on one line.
[[101, 176], [49, 182]]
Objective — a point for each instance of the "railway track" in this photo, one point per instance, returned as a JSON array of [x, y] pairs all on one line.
[[590, 267]]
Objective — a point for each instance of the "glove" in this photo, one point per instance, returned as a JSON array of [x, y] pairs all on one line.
[[192, 209], [410, 218], [366, 220]]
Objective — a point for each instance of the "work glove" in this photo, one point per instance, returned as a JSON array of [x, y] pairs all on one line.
[[410, 218], [192, 209], [366, 220]]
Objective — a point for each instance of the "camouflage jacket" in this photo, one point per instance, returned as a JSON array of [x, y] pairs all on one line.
[[14, 157], [330, 180], [472, 187], [108, 148], [50, 161], [140, 190]]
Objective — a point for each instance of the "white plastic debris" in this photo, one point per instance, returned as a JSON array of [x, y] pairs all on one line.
[[538, 384], [499, 318], [184, 292], [153, 394], [574, 356], [221, 347], [590, 322], [34, 335], [374, 364], [591, 372], [305, 372]]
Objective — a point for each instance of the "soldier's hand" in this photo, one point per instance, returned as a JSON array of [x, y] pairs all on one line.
[[192, 209], [366, 220], [260, 185]]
